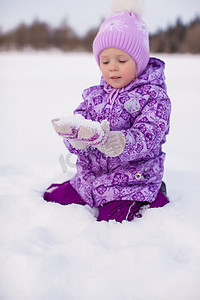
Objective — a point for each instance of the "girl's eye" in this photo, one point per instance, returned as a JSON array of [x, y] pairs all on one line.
[[122, 61], [104, 62]]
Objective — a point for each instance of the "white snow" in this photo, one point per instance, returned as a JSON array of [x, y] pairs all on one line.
[[78, 121], [55, 252]]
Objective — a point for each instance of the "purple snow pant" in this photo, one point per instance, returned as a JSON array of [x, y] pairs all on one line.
[[119, 210]]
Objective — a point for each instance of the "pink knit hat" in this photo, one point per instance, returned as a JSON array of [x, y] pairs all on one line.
[[128, 32]]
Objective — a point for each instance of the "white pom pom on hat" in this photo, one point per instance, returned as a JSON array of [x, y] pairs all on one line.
[[124, 30], [135, 6]]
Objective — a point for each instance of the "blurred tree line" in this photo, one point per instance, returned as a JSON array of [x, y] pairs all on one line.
[[40, 35], [178, 38]]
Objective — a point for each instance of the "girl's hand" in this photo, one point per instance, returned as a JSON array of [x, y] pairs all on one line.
[[77, 127], [114, 145], [94, 134], [111, 143], [79, 145], [83, 133], [64, 129]]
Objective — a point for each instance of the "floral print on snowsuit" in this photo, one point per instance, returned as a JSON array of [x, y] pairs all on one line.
[[141, 110]]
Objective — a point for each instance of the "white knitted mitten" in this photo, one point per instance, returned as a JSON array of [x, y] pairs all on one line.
[[68, 127], [114, 145], [111, 143], [94, 133], [79, 145]]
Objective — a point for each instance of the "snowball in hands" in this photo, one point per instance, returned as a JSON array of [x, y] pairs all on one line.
[[79, 128], [83, 133], [69, 127]]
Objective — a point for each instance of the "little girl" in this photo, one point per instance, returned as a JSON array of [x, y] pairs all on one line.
[[118, 130]]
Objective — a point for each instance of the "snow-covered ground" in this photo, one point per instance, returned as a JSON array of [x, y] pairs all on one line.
[[54, 252]]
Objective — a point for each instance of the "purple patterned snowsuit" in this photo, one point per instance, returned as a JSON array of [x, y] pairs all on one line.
[[141, 110]]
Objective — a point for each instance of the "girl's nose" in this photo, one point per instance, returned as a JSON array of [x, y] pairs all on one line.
[[113, 66]]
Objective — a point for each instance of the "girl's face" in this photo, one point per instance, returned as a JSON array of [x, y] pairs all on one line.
[[117, 67]]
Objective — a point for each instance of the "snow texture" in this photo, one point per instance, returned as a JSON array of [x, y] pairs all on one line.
[[55, 252], [78, 121]]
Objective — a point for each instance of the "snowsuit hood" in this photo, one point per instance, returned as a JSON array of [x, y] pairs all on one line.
[[141, 110]]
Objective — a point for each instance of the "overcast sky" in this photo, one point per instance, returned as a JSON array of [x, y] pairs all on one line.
[[85, 14]]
